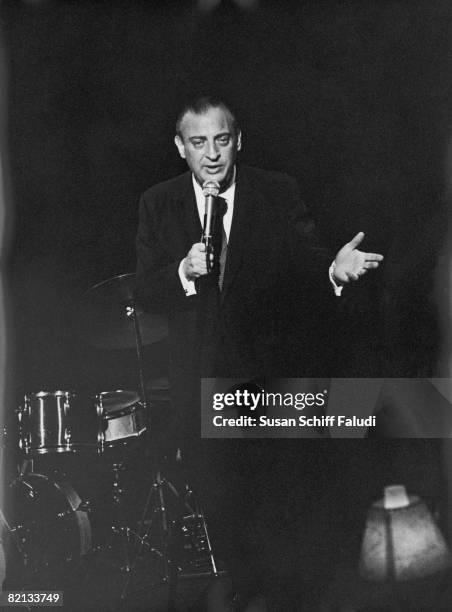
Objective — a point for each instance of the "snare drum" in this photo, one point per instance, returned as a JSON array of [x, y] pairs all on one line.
[[123, 416], [57, 422]]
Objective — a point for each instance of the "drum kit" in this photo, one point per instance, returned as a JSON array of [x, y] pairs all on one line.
[[56, 531]]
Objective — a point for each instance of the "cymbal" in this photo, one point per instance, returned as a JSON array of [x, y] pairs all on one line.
[[107, 322]]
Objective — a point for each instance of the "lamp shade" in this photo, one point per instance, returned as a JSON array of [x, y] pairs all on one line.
[[401, 540]]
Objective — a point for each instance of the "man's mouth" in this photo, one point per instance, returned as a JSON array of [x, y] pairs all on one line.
[[212, 169]]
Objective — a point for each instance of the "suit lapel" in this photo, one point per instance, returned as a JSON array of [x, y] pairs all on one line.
[[246, 206], [189, 212]]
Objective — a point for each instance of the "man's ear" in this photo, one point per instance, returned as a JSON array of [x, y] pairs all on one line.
[[180, 145], [239, 141]]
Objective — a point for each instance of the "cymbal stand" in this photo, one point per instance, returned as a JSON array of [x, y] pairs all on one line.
[[131, 313], [155, 514], [119, 525], [155, 503], [156, 506], [118, 546]]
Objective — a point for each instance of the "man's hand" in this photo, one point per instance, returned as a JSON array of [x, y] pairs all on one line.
[[351, 263], [195, 264]]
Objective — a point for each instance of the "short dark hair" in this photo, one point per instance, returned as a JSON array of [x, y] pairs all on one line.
[[200, 106]]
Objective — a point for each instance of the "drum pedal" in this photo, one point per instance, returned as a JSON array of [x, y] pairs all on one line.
[[195, 556]]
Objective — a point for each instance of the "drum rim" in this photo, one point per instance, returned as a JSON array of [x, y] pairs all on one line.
[[50, 449], [134, 399], [56, 393], [119, 413], [118, 391]]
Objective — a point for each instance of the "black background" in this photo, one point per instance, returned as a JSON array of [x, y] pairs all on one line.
[[351, 98]]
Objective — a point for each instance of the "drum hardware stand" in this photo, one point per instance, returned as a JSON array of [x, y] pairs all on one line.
[[131, 313], [156, 490], [186, 530], [196, 516], [155, 503], [27, 465], [119, 528], [125, 532], [202, 537], [126, 540], [12, 532]]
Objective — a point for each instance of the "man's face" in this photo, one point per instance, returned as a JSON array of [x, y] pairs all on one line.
[[209, 144]]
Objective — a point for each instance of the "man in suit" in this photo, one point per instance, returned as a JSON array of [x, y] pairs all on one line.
[[248, 315], [237, 321]]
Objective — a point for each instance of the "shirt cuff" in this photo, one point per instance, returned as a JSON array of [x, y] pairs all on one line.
[[337, 288], [187, 285]]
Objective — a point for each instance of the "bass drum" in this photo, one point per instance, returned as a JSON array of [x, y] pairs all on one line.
[[50, 527]]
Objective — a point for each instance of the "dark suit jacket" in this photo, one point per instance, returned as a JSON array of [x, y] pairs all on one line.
[[273, 271]]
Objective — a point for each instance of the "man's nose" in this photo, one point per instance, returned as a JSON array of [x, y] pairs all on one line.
[[212, 151]]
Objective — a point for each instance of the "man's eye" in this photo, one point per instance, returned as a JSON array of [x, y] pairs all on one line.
[[224, 140], [197, 143]]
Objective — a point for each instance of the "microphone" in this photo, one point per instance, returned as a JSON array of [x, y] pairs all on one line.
[[210, 190]]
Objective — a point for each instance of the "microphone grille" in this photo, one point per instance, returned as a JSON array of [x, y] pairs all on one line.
[[210, 188]]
